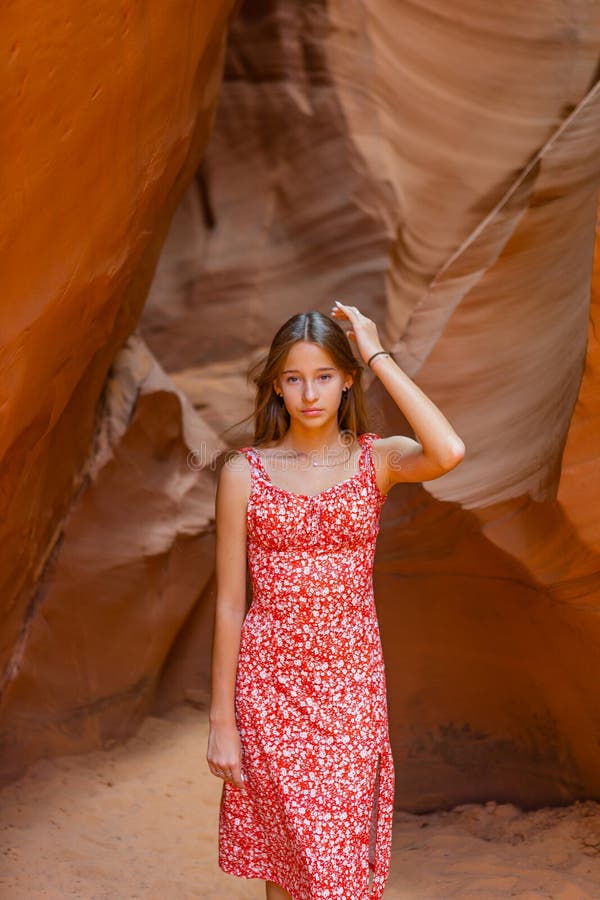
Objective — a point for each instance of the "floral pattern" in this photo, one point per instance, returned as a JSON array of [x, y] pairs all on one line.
[[310, 700]]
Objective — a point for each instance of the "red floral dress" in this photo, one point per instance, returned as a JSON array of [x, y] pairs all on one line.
[[310, 700]]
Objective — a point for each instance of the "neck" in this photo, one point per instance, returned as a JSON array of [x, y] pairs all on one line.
[[308, 440]]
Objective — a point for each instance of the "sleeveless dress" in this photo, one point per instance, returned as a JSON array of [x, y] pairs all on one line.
[[310, 697]]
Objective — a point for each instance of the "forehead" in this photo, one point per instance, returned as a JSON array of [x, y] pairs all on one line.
[[307, 355]]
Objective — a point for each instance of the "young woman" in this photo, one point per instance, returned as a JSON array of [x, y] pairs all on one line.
[[298, 715]]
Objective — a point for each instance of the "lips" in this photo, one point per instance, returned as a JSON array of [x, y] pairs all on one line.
[[309, 411]]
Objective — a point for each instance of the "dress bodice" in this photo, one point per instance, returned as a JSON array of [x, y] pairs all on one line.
[[313, 545], [344, 515]]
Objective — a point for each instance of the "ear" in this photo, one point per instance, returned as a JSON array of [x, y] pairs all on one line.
[[276, 387], [348, 381]]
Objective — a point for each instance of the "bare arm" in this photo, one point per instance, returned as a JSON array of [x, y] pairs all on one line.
[[438, 447], [224, 747]]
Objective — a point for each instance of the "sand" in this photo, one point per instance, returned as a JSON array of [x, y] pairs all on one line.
[[140, 821]]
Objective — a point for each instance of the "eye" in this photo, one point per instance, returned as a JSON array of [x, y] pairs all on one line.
[[290, 379]]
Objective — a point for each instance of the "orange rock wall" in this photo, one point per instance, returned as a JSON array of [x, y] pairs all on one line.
[[439, 168], [579, 487], [107, 109]]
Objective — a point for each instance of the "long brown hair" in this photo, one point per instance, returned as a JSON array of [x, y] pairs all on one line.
[[271, 419]]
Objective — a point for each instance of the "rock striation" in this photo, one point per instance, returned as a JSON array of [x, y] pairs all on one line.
[[107, 110], [439, 168]]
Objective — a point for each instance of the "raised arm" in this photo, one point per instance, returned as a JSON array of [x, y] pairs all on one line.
[[438, 448], [224, 746]]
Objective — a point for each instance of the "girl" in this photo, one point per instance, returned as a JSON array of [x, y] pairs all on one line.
[[298, 713]]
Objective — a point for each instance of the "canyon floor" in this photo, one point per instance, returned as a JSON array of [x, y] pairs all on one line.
[[139, 822]]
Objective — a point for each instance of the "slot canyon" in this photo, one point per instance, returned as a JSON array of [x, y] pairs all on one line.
[[180, 179]]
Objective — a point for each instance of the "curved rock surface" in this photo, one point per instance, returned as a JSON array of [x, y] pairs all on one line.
[[107, 109], [134, 558], [439, 167]]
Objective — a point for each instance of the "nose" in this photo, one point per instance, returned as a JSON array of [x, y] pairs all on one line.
[[310, 392]]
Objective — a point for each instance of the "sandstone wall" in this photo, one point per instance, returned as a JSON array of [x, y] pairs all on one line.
[[107, 109], [439, 167]]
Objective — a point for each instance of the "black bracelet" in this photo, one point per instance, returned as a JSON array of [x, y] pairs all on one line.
[[379, 353]]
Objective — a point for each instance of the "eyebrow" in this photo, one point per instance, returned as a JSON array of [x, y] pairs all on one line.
[[319, 369]]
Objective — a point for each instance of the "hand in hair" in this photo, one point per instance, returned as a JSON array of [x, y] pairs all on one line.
[[363, 332]]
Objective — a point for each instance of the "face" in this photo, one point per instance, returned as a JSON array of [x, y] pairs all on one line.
[[311, 384]]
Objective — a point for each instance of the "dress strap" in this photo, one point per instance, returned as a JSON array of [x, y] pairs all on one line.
[[366, 461], [256, 463], [366, 440]]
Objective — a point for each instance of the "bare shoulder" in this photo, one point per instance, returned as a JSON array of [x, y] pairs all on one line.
[[235, 478]]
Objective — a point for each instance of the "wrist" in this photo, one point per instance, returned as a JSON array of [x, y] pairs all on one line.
[[377, 355], [222, 720]]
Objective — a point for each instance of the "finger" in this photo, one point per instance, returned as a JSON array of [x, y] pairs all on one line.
[[236, 775], [342, 307], [237, 781], [349, 309]]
